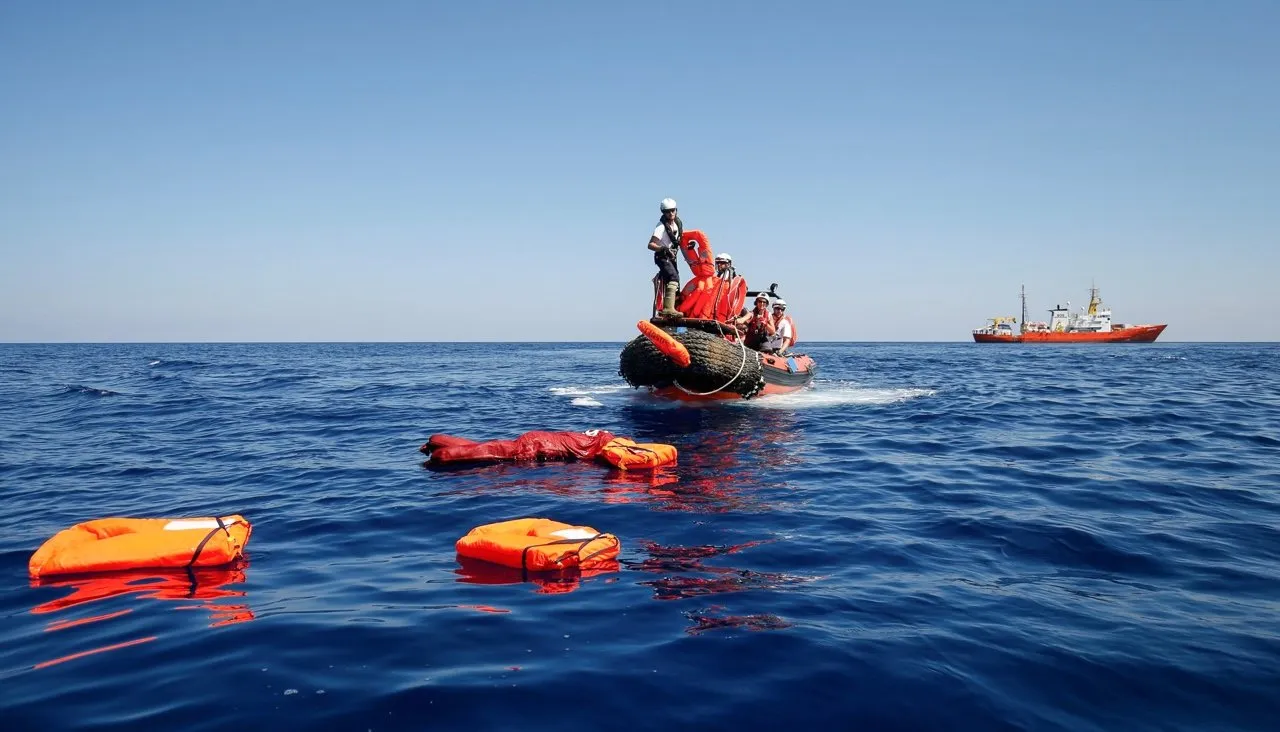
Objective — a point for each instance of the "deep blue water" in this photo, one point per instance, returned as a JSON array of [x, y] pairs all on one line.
[[937, 536]]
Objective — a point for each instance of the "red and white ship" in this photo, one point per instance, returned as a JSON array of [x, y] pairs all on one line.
[[1090, 325]]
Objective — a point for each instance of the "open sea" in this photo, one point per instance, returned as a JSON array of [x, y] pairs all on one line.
[[934, 537]]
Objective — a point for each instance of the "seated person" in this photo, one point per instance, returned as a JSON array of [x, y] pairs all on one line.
[[758, 323], [784, 331]]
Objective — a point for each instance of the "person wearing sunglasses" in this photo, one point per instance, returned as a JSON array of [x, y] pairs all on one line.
[[784, 330], [724, 266], [758, 324], [664, 243]]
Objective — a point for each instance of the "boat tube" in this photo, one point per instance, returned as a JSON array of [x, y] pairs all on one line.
[[721, 367]]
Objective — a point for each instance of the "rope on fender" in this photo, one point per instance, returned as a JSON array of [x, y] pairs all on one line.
[[734, 378]]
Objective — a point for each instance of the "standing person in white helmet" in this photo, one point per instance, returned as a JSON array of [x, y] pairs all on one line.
[[664, 243]]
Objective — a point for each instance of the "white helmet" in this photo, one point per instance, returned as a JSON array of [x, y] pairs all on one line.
[[780, 303], [668, 204], [763, 296], [724, 257]]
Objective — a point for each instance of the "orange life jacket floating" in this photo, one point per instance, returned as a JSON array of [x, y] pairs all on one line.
[[629, 455], [111, 544], [539, 545]]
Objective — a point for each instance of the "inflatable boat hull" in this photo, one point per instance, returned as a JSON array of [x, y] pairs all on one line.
[[719, 369]]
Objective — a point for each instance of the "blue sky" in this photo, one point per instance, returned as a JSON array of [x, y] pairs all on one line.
[[429, 171]]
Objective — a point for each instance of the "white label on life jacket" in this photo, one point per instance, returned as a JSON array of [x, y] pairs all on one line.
[[187, 524], [573, 534]]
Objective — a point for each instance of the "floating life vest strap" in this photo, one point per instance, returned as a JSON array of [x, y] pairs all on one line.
[[637, 448], [524, 554], [582, 559], [205, 540]]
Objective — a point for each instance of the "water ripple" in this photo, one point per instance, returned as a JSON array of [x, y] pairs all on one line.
[[933, 537]]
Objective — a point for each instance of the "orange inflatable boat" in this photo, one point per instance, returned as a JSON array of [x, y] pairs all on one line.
[[539, 545], [111, 544], [700, 356]]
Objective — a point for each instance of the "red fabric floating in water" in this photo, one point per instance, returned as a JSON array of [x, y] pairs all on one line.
[[529, 446]]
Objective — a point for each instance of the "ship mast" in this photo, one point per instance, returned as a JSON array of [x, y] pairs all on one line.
[[1022, 329], [1094, 302]]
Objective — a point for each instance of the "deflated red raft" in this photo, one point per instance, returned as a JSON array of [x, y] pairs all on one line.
[[544, 446], [529, 446]]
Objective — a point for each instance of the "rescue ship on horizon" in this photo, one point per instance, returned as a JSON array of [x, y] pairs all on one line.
[[1091, 325]]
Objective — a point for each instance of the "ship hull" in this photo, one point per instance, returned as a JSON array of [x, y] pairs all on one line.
[[1133, 334], [996, 338]]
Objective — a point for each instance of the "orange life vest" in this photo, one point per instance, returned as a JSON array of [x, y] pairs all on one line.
[[628, 455], [539, 545], [664, 342], [698, 254], [112, 544], [756, 332], [706, 296]]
